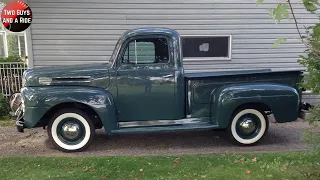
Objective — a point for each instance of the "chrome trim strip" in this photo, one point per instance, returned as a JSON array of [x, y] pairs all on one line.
[[70, 79], [61, 81], [73, 77], [160, 122], [189, 88]]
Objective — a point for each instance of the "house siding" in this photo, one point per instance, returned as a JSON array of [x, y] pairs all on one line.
[[66, 32]]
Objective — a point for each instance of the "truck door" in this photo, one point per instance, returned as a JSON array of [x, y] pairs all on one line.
[[145, 80]]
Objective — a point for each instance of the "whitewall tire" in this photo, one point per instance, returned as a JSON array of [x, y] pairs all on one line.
[[71, 130], [248, 126]]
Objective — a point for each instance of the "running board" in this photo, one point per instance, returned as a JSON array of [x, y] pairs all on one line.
[[148, 129], [132, 124]]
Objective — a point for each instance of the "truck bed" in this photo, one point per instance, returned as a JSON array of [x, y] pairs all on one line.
[[199, 86]]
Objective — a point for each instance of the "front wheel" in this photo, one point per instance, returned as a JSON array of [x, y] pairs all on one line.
[[248, 126], [71, 130]]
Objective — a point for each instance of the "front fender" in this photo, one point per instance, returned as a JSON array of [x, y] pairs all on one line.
[[38, 100], [282, 100]]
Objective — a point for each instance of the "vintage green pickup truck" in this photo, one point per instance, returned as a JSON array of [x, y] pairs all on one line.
[[143, 88]]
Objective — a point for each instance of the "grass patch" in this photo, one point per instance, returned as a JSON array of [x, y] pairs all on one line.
[[264, 166], [7, 121]]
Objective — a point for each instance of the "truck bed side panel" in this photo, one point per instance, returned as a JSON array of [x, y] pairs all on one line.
[[201, 88]]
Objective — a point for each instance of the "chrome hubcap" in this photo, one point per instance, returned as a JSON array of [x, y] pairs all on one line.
[[70, 130], [247, 126]]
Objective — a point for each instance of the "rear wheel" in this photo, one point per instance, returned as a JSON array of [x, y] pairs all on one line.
[[71, 130], [248, 126]]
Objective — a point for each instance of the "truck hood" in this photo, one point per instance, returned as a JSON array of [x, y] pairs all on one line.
[[96, 75]]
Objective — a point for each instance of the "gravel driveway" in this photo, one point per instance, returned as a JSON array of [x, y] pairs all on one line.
[[281, 137]]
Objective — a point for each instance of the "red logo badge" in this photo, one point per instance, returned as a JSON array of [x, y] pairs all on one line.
[[16, 16]]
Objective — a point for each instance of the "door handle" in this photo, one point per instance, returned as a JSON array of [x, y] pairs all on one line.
[[168, 76]]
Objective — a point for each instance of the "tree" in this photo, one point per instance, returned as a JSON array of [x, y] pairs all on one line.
[[13, 49], [311, 59]]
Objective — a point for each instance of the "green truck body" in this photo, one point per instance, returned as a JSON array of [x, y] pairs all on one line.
[[148, 91]]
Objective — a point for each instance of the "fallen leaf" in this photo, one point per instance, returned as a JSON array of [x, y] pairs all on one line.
[[235, 161], [66, 167], [269, 176], [254, 159], [176, 161], [248, 171], [283, 168], [242, 161], [103, 177], [204, 176], [141, 170], [85, 169], [76, 164], [93, 170]]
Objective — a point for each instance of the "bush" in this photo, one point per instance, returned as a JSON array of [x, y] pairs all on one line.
[[11, 59], [4, 108], [13, 49], [311, 58]]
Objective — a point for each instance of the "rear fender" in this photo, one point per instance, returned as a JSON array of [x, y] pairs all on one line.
[[39, 100], [282, 100]]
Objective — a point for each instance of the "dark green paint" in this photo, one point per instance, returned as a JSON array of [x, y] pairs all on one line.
[[150, 85], [38, 100], [96, 75], [120, 93], [282, 100], [218, 96]]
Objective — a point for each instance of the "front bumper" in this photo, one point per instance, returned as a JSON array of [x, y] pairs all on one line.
[[17, 110], [20, 125], [19, 120]]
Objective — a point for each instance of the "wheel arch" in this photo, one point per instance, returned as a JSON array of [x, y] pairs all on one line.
[[252, 105], [64, 105], [279, 99], [40, 104]]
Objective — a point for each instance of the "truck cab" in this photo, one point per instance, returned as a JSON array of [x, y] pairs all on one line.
[[149, 76], [143, 88]]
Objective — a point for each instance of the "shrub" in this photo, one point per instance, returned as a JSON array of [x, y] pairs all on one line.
[[311, 59], [4, 108], [11, 59]]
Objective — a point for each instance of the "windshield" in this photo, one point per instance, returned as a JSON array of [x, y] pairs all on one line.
[[115, 51]]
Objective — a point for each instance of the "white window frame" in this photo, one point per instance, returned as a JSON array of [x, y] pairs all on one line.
[[209, 58], [5, 43], [5, 33]]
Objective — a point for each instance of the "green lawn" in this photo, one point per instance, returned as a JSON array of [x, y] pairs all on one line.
[[296, 166], [6, 121]]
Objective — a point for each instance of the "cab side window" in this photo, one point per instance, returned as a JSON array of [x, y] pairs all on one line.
[[146, 51]]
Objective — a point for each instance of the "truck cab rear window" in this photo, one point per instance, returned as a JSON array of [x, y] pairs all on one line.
[[146, 51], [206, 47]]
